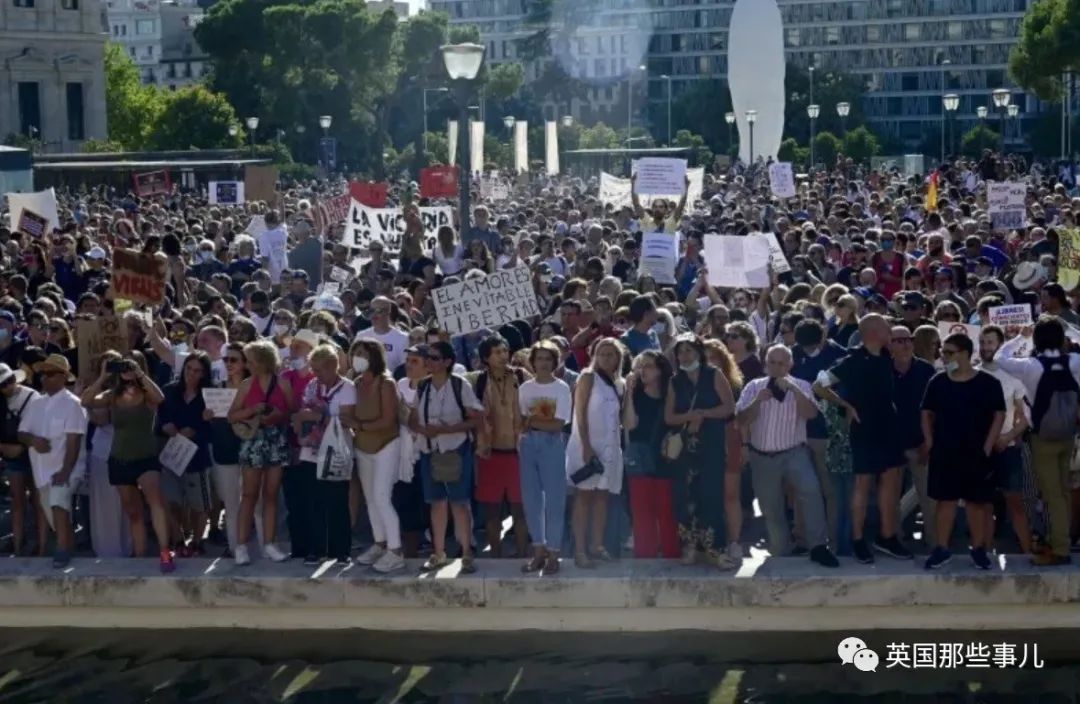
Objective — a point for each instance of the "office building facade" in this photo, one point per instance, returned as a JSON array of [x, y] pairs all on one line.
[[160, 38]]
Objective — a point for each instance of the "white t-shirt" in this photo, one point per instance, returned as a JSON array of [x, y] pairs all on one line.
[[1013, 391], [54, 418], [451, 265], [549, 401], [394, 341], [273, 244], [343, 396], [442, 408]]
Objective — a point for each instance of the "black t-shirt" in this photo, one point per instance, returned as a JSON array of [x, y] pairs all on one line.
[[650, 413], [908, 393], [868, 385], [963, 413], [623, 270]]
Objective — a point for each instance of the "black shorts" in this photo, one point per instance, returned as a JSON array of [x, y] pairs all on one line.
[[874, 457], [127, 472], [408, 501], [971, 477]]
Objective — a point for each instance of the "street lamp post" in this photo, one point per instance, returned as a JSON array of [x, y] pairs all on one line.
[[729, 118], [812, 111], [252, 125], [980, 112], [463, 62], [951, 102], [944, 86], [508, 122], [1002, 98], [324, 146], [1014, 113], [668, 79], [426, 91], [300, 131], [567, 120], [751, 118], [843, 110], [630, 101]]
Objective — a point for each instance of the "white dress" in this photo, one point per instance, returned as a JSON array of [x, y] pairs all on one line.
[[604, 437]]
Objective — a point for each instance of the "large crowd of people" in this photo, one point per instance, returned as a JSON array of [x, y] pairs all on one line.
[[632, 417]]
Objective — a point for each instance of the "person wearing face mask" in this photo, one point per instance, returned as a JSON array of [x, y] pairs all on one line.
[[259, 309], [393, 339], [889, 265], [283, 324], [297, 371], [962, 416], [205, 262]]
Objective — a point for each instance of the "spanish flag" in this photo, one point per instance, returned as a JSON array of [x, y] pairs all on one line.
[[931, 193]]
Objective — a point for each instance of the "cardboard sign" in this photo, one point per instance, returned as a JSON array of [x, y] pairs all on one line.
[[30, 223], [1006, 204], [659, 256], [41, 202], [616, 191], [340, 275], [737, 262], [260, 183], [152, 183], [1069, 258], [177, 454], [139, 277], [782, 179], [329, 288], [490, 302], [226, 192], [387, 225], [219, 401], [971, 331], [777, 259], [1011, 316], [97, 336], [657, 176], [330, 212], [369, 193], [439, 182]]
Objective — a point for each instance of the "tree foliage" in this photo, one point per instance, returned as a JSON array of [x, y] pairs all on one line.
[[504, 81], [978, 138], [195, 118], [132, 108], [700, 154], [826, 146], [830, 88], [860, 144], [1048, 47]]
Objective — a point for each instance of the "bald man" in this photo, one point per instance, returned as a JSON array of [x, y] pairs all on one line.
[[863, 384]]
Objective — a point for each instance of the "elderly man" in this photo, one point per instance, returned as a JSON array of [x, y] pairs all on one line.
[[775, 409]]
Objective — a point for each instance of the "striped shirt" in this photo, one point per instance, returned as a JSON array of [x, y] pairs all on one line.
[[778, 426]]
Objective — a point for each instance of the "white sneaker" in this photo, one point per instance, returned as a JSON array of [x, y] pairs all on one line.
[[274, 553], [389, 562], [371, 555], [241, 555]]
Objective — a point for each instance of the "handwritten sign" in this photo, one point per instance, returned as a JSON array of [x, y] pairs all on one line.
[[971, 331], [387, 225], [1006, 204], [330, 212], [616, 191], [41, 202], [177, 454], [1069, 258], [138, 277], [782, 179], [30, 223], [777, 259], [329, 288], [1011, 316], [737, 262], [218, 401], [226, 192], [97, 336], [660, 175], [489, 302], [260, 183], [659, 256], [340, 275], [152, 183]]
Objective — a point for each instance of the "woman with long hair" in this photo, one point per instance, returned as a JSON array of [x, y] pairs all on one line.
[[927, 342], [478, 256], [719, 357], [699, 405], [741, 341], [448, 254], [652, 502], [378, 453], [124, 389], [225, 449], [262, 405], [594, 456], [846, 322]]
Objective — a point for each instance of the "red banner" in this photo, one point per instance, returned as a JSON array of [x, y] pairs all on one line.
[[152, 183], [331, 211], [369, 193], [439, 182]]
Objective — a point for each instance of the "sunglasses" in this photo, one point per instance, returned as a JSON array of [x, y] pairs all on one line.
[[434, 358], [234, 360]]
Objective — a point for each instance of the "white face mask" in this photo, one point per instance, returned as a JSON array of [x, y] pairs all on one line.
[[280, 329], [360, 364], [692, 367], [952, 367], [658, 328], [298, 363]]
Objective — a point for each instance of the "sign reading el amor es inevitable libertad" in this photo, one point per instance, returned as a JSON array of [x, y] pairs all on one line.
[[490, 302]]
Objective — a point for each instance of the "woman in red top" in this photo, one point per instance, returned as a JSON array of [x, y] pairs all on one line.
[[889, 265], [263, 403]]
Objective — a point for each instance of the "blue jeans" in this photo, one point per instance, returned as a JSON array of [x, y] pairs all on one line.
[[843, 488], [542, 459]]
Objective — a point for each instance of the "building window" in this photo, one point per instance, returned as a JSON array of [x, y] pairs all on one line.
[[144, 26], [29, 109], [131, 50], [912, 32], [69, 4], [75, 114], [24, 3], [150, 51], [116, 30], [873, 33]]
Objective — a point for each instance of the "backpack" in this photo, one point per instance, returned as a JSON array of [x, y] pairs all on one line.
[[1055, 411], [422, 392]]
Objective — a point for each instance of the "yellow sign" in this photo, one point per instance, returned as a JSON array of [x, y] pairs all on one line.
[[1069, 258]]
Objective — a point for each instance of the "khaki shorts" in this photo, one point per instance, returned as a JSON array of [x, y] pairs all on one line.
[[52, 496]]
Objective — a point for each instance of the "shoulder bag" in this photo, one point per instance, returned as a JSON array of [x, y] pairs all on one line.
[[671, 447], [445, 466], [246, 429]]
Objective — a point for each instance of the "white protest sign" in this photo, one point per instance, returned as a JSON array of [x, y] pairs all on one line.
[[218, 401], [257, 226], [777, 258], [177, 454], [1006, 204], [616, 191], [737, 262], [330, 288], [782, 179], [1017, 315], [387, 225], [489, 302], [657, 176], [971, 331], [41, 202], [659, 256], [340, 275], [226, 192]]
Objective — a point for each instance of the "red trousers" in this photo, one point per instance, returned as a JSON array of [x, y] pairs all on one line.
[[652, 512]]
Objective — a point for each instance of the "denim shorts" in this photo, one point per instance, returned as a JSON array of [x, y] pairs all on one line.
[[459, 492], [1010, 469]]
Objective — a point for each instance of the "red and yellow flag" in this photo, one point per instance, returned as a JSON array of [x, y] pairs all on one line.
[[931, 193]]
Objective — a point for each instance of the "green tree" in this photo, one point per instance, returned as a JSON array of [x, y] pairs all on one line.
[[826, 146], [599, 136], [504, 81], [860, 144], [830, 88], [101, 146], [132, 108], [700, 154], [437, 148], [1048, 47], [195, 118], [978, 138], [701, 110]]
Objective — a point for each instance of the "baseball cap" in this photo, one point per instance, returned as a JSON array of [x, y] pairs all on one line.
[[96, 253], [7, 373]]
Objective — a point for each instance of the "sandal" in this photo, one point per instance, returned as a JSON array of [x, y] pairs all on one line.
[[551, 564], [582, 560], [535, 564], [601, 554], [468, 565], [435, 562]]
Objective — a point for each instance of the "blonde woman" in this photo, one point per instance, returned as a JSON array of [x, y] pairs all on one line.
[[262, 404], [375, 422], [594, 456], [846, 320]]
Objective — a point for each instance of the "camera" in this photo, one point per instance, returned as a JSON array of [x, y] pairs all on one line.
[[118, 366]]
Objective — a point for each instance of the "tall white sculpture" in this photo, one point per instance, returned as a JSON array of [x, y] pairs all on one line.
[[756, 74]]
